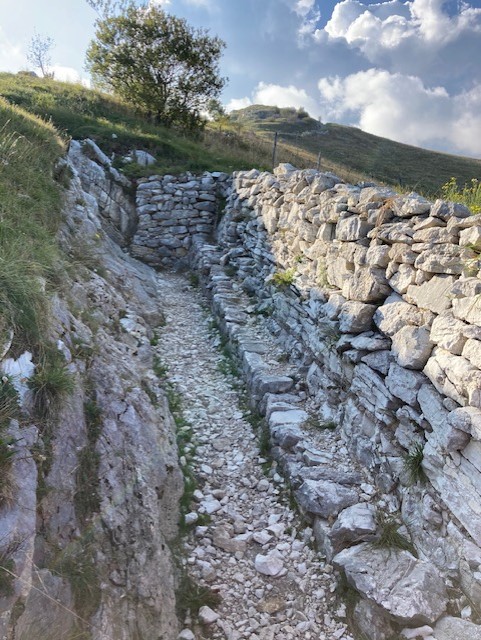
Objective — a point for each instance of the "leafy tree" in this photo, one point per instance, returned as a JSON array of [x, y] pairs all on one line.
[[38, 53], [158, 63]]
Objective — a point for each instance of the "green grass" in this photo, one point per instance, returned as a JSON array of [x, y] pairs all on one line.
[[51, 383], [117, 128], [470, 194], [354, 154], [389, 536], [30, 262], [413, 464]]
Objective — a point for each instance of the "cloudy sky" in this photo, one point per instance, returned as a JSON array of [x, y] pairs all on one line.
[[409, 71]]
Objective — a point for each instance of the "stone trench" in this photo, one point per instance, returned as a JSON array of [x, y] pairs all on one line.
[[247, 543]]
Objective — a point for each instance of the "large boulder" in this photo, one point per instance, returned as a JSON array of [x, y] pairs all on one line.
[[411, 590]]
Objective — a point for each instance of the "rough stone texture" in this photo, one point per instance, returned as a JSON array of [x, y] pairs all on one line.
[[450, 628], [325, 498], [42, 616], [354, 524], [411, 590], [412, 347]]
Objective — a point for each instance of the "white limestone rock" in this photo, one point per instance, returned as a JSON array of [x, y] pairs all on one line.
[[325, 498], [435, 294], [450, 628], [207, 615], [354, 524], [410, 590], [412, 347], [356, 317], [450, 259], [269, 565], [366, 285], [395, 314], [448, 333], [404, 384]]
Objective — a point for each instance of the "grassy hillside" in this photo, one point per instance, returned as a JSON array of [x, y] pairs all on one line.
[[359, 152], [117, 128], [29, 216], [242, 141]]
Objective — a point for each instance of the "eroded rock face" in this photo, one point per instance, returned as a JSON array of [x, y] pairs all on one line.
[[105, 506], [410, 590]]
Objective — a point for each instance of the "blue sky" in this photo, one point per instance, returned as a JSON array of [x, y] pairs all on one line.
[[407, 70]]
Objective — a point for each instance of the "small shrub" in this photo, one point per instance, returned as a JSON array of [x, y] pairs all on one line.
[[51, 384], [283, 279], [413, 464]]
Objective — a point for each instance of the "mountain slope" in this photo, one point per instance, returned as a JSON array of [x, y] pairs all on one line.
[[353, 150]]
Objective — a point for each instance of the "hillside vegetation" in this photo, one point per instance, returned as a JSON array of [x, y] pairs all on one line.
[[361, 153], [30, 202], [241, 141]]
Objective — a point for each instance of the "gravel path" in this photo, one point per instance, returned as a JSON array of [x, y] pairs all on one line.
[[247, 543]]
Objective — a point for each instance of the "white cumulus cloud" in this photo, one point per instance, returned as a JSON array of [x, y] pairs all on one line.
[[401, 107], [280, 96], [238, 103]]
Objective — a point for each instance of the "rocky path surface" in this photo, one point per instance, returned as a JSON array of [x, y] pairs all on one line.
[[246, 543]]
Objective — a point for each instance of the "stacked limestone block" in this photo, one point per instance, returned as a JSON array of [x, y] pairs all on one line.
[[172, 211], [384, 315]]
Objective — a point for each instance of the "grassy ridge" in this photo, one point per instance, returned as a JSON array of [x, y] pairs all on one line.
[[117, 128], [359, 152], [30, 205]]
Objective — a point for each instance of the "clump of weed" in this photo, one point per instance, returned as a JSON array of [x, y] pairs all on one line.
[[77, 564], [283, 279], [470, 194], [193, 279], [51, 383], [158, 368], [389, 536], [413, 464], [191, 597]]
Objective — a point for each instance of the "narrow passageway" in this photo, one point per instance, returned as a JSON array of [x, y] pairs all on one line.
[[247, 544]]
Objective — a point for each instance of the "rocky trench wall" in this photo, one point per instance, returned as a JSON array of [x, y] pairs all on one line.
[[112, 191], [375, 296], [89, 505], [174, 211]]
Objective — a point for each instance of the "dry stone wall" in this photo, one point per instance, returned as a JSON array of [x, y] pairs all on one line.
[[172, 212], [375, 296]]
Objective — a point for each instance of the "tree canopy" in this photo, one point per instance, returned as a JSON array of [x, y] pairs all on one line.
[[158, 63]]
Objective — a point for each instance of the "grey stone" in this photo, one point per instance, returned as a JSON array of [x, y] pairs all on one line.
[[207, 615], [434, 295], [356, 317], [324, 498], [404, 384], [372, 621], [448, 333], [354, 524], [410, 590], [412, 347], [449, 628], [42, 616]]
